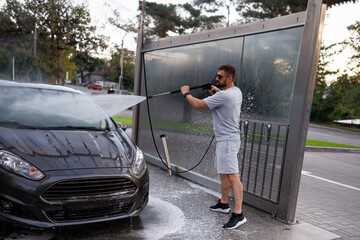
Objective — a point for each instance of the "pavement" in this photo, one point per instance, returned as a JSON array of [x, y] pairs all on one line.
[[329, 193], [177, 210], [327, 208]]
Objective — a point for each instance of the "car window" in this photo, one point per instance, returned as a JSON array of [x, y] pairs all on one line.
[[50, 108]]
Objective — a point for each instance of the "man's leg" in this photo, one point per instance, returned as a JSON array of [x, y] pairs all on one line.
[[222, 205], [237, 217], [225, 188], [237, 187]]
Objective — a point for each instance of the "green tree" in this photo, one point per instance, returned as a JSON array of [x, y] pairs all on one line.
[[213, 6], [352, 99], [161, 19], [68, 27], [264, 9], [86, 63], [342, 97], [342, 100], [196, 21], [129, 67], [354, 43], [320, 108], [16, 42], [60, 26]]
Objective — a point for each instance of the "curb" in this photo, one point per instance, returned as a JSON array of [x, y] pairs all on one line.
[[329, 149]]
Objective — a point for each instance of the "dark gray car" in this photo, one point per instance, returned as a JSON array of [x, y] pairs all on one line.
[[63, 161]]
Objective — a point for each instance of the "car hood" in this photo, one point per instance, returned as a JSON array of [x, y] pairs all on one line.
[[58, 149]]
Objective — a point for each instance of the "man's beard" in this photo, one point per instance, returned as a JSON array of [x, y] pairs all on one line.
[[219, 85]]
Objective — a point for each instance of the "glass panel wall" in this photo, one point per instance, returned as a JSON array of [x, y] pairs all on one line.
[[268, 74], [188, 130], [268, 66]]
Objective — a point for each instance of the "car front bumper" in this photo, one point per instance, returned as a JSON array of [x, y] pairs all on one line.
[[22, 201]]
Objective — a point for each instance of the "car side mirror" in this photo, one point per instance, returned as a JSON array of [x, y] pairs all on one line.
[[122, 125]]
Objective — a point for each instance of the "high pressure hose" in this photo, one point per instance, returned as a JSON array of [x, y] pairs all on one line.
[[152, 131]]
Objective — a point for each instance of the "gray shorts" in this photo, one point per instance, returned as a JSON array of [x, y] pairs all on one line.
[[226, 156]]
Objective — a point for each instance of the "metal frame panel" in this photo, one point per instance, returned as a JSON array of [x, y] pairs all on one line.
[[289, 21], [300, 114]]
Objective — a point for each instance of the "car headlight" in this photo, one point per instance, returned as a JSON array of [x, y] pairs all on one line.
[[138, 164], [16, 165]]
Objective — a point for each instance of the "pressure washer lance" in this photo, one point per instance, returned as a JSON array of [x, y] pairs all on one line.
[[203, 86]]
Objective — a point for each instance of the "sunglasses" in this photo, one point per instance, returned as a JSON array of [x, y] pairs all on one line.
[[219, 76]]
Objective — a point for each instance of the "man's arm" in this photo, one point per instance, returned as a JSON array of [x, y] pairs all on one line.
[[197, 103]]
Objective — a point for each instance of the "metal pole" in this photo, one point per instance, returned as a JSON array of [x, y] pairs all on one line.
[[300, 113], [35, 40], [13, 67], [138, 73], [168, 163], [122, 63]]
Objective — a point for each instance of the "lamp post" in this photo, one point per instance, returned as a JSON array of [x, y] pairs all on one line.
[[13, 67], [122, 62], [137, 77]]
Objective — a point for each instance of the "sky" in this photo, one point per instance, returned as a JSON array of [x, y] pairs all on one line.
[[337, 19], [100, 11]]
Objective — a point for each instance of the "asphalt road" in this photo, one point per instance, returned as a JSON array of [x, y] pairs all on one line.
[[86, 90], [317, 132]]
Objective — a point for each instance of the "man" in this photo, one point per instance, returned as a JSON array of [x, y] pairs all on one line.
[[225, 106]]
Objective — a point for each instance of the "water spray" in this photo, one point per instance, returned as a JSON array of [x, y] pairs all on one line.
[[205, 86]]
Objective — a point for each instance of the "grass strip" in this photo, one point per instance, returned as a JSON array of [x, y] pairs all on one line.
[[200, 128], [125, 120]]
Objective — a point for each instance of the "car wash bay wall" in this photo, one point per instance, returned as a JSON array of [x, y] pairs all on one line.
[[276, 65]]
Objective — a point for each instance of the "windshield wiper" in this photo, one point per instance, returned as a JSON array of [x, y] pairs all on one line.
[[21, 125], [77, 128], [17, 124]]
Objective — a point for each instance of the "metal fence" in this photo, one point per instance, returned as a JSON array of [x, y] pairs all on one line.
[[261, 157]]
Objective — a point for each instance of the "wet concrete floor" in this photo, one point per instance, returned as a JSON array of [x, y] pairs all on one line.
[[177, 209]]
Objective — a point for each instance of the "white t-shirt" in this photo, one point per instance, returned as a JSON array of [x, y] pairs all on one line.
[[226, 106]]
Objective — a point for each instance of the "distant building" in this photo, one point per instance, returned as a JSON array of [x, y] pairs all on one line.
[[81, 79], [98, 75]]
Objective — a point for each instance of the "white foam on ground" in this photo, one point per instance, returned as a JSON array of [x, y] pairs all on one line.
[[160, 218]]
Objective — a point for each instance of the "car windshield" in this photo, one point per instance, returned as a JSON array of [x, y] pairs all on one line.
[[45, 108]]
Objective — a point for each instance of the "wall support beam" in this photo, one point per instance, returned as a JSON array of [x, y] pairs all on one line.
[[300, 113]]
